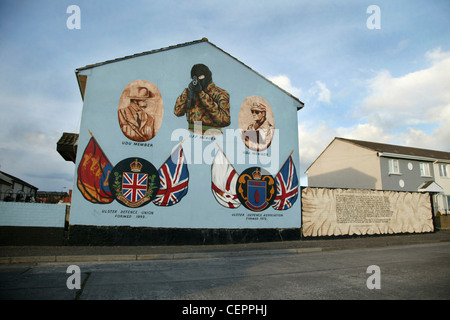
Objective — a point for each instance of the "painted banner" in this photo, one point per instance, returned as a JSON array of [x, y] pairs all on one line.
[[287, 186], [223, 181], [93, 174], [174, 178]]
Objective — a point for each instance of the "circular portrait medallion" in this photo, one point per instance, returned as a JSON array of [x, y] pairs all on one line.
[[140, 110], [134, 182], [256, 123], [256, 189]]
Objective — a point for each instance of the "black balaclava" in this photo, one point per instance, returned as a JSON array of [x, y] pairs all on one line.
[[200, 69]]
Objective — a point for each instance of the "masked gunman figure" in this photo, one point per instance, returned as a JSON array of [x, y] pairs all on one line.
[[203, 101]]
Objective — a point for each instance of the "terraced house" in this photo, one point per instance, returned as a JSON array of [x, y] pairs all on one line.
[[347, 163]]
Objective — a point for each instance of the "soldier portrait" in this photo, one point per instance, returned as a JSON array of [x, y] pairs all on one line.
[[140, 110], [205, 105], [256, 123]]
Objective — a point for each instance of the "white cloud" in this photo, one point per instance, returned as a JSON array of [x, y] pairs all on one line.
[[403, 44], [284, 82], [437, 55], [438, 139], [397, 110], [415, 98], [32, 127], [365, 131], [313, 139], [412, 101], [320, 92]]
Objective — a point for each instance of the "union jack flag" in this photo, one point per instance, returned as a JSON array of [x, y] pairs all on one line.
[[287, 186], [174, 178], [134, 186]]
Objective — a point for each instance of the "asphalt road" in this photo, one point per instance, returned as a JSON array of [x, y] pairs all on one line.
[[420, 271]]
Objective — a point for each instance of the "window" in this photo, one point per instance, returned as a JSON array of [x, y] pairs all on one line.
[[446, 208], [425, 170], [393, 166], [443, 171]]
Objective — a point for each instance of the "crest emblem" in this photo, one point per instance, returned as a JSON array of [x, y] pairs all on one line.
[[256, 189], [134, 182]]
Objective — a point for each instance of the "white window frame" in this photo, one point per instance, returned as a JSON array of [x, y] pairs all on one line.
[[446, 203], [443, 171], [394, 166], [425, 169]]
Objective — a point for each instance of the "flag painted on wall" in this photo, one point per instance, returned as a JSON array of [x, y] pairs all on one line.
[[134, 182], [93, 174], [134, 185], [287, 186], [174, 179], [223, 181]]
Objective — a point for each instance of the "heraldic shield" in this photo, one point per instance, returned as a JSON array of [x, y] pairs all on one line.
[[134, 182], [256, 189]]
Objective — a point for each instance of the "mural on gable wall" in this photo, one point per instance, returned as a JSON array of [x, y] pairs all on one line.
[[133, 186], [256, 122], [203, 101], [140, 110], [141, 187]]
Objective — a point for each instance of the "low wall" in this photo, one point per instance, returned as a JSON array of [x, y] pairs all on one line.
[[442, 222], [32, 223], [130, 236], [336, 212]]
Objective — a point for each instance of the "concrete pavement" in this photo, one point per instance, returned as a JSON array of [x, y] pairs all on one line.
[[45, 254]]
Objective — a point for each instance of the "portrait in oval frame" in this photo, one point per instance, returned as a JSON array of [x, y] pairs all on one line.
[[140, 110], [256, 123]]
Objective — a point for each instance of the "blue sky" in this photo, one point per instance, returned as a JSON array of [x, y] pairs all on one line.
[[386, 85]]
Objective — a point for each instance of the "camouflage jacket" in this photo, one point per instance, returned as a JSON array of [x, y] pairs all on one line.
[[211, 107]]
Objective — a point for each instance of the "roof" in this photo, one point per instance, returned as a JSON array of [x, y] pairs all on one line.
[[430, 186], [4, 179], [393, 150], [400, 150], [12, 179], [82, 79]]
